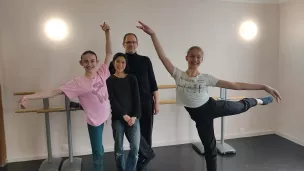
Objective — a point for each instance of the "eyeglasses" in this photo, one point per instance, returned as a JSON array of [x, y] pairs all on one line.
[[131, 42]]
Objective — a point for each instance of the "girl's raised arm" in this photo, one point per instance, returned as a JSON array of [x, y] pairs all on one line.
[[106, 28], [160, 52]]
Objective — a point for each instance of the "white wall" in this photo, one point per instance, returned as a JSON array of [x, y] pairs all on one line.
[[291, 62], [35, 63]]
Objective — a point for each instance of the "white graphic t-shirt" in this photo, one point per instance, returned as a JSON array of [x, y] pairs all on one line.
[[192, 91]]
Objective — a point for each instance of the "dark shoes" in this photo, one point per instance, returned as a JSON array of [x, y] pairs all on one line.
[[142, 163]]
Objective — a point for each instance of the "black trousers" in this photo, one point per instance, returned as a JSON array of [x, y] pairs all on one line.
[[146, 127], [204, 115]]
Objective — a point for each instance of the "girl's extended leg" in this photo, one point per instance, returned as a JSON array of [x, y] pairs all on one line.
[[118, 134], [204, 115], [204, 125], [95, 133], [227, 108]]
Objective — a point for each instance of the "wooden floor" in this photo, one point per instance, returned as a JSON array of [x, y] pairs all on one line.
[[263, 153]]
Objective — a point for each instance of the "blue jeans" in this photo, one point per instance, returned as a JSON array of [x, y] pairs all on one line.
[[95, 133], [133, 135]]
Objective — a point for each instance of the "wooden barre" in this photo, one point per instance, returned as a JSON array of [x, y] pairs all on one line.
[[216, 98], [32, 92], [61, 109], [33, 110], [230, 98], [51, 110], [167, 102], [166, 86], [23, 93], [54, 110], [26, 110]]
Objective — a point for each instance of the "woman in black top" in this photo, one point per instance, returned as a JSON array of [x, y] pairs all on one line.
[[125, 104]]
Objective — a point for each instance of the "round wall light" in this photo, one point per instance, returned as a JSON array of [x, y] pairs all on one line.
[[248, 30], [56, 29]]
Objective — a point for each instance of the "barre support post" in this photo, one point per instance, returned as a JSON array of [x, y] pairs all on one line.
[[222, 147], [73, 163], [50, 164], [46, 105], [68, 110]]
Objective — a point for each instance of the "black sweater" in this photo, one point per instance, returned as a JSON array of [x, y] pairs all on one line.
[[141, 67], [124, 96]]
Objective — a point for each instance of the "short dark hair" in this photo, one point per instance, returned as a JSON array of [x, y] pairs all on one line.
[[88, 52], [119, 54], [128, 34]]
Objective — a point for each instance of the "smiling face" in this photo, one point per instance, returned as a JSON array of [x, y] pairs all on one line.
[[89, 62], [120, 64], [194, 57], [130, 43]]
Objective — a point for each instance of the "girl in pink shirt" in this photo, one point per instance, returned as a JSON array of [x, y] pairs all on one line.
[[91, 90]]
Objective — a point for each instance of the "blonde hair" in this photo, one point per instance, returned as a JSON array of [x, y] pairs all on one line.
[[195, 48]]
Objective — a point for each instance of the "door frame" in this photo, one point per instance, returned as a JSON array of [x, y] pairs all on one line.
[[3, 155]]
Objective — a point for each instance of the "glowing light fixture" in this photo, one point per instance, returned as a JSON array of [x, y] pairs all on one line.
[[56, 29], [248, 30]]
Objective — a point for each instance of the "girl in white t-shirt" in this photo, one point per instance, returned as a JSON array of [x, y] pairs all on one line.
[[191, 92]]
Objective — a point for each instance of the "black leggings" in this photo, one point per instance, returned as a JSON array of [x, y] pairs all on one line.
[[204, 115]]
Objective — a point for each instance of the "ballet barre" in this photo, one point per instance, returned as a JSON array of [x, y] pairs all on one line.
[[23, 93], [32, 92], [62, 109], [70, 164], [51, 163], [166, 86], [74, 164], [222, 147]]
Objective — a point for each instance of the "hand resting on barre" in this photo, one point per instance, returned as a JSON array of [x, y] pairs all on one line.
[[39, 95]]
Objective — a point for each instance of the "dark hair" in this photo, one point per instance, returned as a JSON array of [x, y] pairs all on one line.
[[128, 34], [88, 52], [119, 54]]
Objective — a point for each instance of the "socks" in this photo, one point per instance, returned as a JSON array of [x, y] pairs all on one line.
[[265, 100]]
